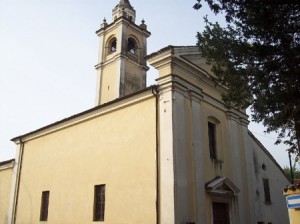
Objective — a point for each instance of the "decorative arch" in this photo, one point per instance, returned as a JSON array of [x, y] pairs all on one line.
[[213, 120]]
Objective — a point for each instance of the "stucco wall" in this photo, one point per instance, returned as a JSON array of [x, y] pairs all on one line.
[[6, 174], [190, 100], [116, 149], [265, 167]]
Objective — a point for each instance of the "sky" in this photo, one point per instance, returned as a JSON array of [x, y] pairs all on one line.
[[48, 50]]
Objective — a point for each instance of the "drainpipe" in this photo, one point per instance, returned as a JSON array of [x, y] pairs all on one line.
[[155, 93], [17, 186], [291, 168]]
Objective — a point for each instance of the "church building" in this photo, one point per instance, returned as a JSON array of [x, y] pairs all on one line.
[[165, 154]]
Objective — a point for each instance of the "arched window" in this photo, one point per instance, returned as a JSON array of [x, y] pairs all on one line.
[[113, 45], [131, 46]]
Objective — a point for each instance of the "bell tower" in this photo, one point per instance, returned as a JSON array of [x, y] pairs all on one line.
[[121, 68]]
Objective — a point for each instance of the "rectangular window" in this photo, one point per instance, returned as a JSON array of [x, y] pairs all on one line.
[[44, 206], [267, 190], [99, 202], [212, 140]]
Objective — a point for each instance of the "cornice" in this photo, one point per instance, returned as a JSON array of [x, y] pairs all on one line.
[[238, 117], [160, 60], [173, 82], [119, 21], [176, 83], [7, 164], [117, 57], [174, 56]]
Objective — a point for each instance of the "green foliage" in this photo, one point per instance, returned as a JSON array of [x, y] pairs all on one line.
[[287, 172], [257, 56]]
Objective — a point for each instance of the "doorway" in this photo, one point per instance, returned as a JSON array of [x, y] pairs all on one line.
[[220, 213]]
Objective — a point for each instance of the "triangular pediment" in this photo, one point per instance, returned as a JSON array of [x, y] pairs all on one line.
[[222, 185], [197, 61]]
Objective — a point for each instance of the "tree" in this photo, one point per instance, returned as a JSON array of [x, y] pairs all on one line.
[[295, 173], [257, 56]]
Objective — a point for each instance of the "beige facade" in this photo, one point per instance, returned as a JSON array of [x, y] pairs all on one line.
[[169, 153], [6, 175], [189, 101]]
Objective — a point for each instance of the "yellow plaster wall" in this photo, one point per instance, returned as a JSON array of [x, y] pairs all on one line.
[[116, 149], [5, 189], [109, 82]]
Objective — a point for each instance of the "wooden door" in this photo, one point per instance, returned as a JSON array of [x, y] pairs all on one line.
[[220, 213]]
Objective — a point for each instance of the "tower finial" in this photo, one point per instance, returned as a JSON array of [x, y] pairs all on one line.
[[125, 2], [124, 9], [104, 24]]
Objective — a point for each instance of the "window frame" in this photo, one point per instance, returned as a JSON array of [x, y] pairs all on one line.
[[267, 192], [44, 205], [99, 203], [212, 140]]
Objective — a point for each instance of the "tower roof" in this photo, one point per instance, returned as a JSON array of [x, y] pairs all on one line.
[[124, 4], [124, 9]]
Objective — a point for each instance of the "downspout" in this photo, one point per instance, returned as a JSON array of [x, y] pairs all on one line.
[[18, 178], [155, 93], [291, 168]]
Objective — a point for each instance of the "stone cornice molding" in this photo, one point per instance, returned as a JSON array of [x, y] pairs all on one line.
[[125, 21], [7, 164], [238, 117], [176, 83], [120, 56], [174, 57], [162, 60], [173, 82]]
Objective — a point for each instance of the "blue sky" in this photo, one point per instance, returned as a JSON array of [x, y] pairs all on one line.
[[48, 50]]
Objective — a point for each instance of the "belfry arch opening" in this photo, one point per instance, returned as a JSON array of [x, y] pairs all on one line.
[[112, 45], [132, 46]]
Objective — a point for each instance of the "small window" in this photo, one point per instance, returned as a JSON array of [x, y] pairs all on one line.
[[212, 140], [131, 47], [267, 190], [99, 202], [44, 206]]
